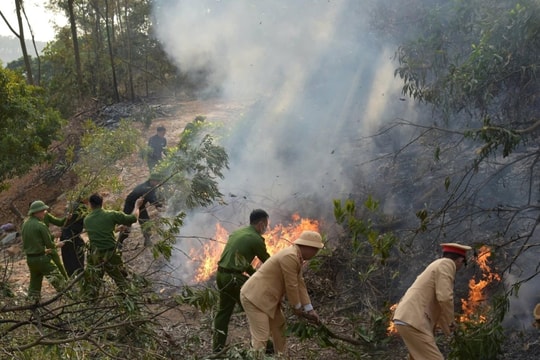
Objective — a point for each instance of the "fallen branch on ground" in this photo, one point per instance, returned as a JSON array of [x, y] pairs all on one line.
[[325, 330]]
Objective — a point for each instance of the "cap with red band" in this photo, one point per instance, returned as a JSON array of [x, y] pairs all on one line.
[[456, 248]]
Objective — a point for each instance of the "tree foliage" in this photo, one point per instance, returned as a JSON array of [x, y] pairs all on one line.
[[98, 161], [479, 59], [118, 56], [475, 64], [125, 324], [28, 125], [192, 168]]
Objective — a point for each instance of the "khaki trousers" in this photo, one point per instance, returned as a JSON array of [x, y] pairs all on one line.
[[421, 346], [261, 327]]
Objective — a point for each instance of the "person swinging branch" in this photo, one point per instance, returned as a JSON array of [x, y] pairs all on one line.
[[242, 247], [146, 190], [104, 256], [281, 275]]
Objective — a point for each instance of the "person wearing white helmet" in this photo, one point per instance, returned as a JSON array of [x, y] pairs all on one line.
[[281, 275]]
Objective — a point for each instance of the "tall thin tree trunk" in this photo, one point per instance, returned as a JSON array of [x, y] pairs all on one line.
[[129, 52], [76, 52], [38, 81], [111, 52], [27, 64]]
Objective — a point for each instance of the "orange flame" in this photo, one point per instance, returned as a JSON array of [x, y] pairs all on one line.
[[276, 238], [473, 306], [391, 329]]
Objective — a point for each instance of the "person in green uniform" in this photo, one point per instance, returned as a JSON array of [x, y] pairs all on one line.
[[241, 248], [104, 256], [41, 255]]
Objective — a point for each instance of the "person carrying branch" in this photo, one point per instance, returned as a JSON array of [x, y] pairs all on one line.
[[40, 249], [281, 275], [104, 256], [429, 303], [146, 190]]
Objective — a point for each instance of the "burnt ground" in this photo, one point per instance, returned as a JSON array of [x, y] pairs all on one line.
[[185, 324]]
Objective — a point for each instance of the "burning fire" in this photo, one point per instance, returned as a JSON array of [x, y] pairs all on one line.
[[277, 238], [391, 329], [473, 306]]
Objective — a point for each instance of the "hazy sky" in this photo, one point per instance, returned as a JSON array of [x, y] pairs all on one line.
[[40, 18]]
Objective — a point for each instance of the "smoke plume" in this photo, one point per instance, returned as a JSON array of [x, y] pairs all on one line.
[[316, 83], [315, 80]]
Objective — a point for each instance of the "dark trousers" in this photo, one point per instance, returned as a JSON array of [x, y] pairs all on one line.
[[229, 295], [124, 234], [73, 255]]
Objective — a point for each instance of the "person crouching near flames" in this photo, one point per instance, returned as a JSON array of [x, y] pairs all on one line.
[[40, 249], [428, 303], [262, 293]]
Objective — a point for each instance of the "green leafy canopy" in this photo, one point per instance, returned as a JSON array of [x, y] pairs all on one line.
[[27, 123]]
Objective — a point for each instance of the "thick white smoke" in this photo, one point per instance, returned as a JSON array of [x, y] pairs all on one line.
[[315, 81]]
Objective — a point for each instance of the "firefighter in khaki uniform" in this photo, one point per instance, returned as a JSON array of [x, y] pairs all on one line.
[[262, 293], [104, 255], [429, 302], [41, 255]]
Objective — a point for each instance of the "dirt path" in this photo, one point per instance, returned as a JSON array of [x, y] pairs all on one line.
[[25, 189]]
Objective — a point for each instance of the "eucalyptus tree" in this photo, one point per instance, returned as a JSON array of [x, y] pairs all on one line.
[[474, 64], [114, 53], [20, 12], [68, 7], [28, 125]]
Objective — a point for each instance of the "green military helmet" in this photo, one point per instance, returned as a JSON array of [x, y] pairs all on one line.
[[37, 206], [155, 177]]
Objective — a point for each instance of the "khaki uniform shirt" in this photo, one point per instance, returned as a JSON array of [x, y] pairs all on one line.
[[280, 275], [430, 299]]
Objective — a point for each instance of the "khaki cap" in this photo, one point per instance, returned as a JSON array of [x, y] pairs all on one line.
[[310, 238]]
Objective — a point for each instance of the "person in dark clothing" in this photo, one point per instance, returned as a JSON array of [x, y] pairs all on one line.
[[73, 249], [146, 190], [241, 248], [157, 144]]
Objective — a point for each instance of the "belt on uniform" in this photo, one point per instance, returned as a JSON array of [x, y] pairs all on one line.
[[35, 255], [228, 271]]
